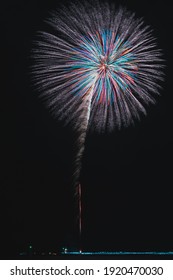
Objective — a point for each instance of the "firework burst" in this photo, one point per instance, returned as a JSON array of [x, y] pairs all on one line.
[[100, 58], [96, 67]]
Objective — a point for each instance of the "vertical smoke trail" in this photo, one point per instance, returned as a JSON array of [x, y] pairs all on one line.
[[81, 129], [82, 126]]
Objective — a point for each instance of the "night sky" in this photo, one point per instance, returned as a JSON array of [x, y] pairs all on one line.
[[126, 176]]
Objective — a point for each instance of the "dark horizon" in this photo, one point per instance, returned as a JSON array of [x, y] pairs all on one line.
[[126, 175]]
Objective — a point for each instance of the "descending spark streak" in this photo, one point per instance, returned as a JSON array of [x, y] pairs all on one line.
[[80, 209], [81, 128]]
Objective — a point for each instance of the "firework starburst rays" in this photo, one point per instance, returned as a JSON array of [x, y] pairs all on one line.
[[109, 63], [96, 50], [106, 64]]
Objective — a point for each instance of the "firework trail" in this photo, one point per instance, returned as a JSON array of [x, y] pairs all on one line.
[[96, 67]]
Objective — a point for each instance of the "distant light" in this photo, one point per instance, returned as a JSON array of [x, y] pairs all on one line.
[[30, 247], [23, 253]]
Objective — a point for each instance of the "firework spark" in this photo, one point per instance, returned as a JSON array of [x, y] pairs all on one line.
[[97, 67]]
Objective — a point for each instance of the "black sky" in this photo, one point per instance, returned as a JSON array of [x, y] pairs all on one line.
[[126, 176]]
